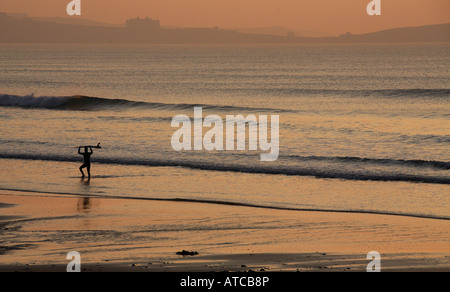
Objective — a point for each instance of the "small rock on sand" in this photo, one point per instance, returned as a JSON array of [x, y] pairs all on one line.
[[187, 253]]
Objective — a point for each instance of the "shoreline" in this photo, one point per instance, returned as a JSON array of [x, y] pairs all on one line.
[[224, 203], [144, 236]]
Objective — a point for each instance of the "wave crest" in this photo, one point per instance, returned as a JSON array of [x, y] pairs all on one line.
[[88, 103]]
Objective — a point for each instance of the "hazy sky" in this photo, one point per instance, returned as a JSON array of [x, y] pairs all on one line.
[[327, 16]]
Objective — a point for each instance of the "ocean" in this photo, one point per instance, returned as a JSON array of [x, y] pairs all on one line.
[[363, 128]]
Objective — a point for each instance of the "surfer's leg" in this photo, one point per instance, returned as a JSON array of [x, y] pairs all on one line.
[[81, 169], [88, 167]]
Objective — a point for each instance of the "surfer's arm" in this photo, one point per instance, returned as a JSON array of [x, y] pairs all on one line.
[[79, 151], [92, 151]]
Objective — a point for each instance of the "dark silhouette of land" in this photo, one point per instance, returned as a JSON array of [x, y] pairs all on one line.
[[23, 29]]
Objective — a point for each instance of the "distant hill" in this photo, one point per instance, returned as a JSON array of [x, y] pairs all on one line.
[[22, 29], [427, 33]]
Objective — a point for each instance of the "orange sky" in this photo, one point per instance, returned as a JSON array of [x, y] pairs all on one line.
[[326, 16]]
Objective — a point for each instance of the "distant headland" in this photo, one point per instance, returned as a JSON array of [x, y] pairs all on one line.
[[19, 28]]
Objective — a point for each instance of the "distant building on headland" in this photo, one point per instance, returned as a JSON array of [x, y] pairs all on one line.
[[142, 24]]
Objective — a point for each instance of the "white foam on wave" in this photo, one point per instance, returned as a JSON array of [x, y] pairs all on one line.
[[32, 101]]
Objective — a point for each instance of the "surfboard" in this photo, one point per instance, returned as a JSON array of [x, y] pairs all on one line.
[[93, 147]]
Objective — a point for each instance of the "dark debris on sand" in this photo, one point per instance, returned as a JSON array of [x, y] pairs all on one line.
[[187, 253]]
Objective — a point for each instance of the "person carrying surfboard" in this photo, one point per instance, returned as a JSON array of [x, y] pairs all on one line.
[[87, 157], [87, 160]]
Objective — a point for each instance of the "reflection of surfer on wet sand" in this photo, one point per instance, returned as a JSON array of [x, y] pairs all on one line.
[[84, 204], [87, 158]]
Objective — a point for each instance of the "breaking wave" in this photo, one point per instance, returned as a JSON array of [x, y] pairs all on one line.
[[87, 103], [280, 169]]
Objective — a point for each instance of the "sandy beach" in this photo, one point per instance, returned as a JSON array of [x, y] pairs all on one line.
[[144, 236]]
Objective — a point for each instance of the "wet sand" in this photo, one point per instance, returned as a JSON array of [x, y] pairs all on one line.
[[38, 231], [263, 263]]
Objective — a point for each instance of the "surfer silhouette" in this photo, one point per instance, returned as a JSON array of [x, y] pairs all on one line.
[[87, 160]]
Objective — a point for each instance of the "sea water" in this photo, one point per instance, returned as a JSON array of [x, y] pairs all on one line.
[[363, 128]]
